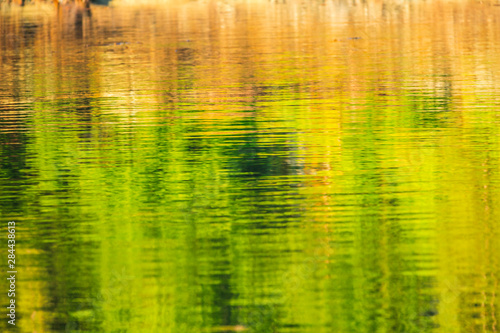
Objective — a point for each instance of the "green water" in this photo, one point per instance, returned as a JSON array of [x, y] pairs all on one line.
[[252, 166]]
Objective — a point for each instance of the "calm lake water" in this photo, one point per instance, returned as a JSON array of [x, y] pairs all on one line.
[[226, 166]]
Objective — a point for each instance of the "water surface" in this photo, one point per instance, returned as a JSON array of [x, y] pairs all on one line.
[[224, 166]]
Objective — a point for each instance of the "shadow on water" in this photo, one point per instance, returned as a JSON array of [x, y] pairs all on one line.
[[101, 2]]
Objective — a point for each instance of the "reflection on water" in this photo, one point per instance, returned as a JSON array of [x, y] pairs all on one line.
[[325, 166]]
